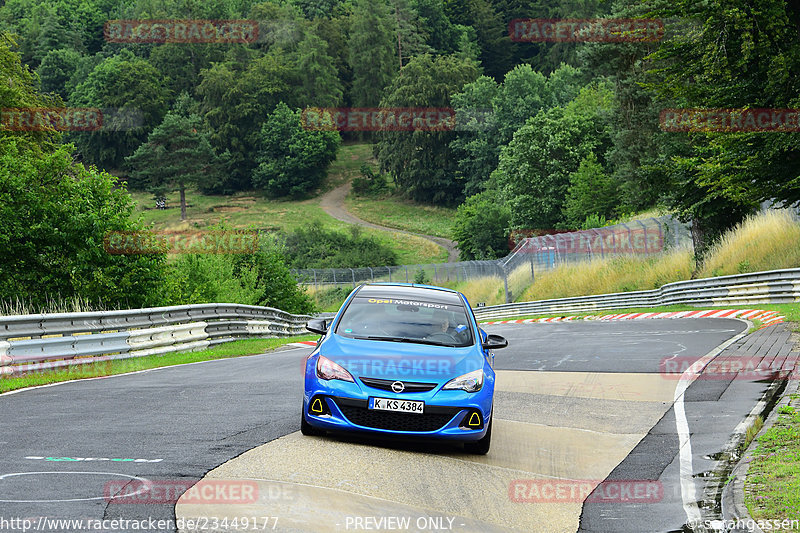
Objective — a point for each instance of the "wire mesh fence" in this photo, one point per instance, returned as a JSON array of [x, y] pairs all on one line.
[[518, 269]]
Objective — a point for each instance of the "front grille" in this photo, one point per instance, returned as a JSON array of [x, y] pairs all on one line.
[[360, 415], [386, 384]]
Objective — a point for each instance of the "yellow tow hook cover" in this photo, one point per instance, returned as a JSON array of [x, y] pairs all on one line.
[[474, 420], [316, 406]]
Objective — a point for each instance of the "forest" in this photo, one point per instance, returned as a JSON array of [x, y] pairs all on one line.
[[564, 134]]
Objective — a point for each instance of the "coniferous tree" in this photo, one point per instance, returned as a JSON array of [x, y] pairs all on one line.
[[372, 46], [177, 154]]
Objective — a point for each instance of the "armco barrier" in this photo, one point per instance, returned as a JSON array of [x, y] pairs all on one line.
[[776, 286], [38, 342]]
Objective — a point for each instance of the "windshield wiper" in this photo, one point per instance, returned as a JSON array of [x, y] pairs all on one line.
[[404, 339]]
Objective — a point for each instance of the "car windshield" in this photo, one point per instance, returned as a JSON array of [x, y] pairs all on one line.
[[414, 321]]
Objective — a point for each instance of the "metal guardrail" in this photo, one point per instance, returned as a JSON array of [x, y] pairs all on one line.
[[776, 286], [37, 342]]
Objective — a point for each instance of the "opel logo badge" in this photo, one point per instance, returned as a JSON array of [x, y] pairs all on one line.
[[398, 386]]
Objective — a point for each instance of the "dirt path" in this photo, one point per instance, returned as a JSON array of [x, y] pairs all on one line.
[[332, 202]]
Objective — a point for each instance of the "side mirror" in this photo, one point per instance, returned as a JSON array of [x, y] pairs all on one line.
[[319, 326], [494, 342]]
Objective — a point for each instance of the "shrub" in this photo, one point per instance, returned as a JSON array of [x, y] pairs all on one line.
[[292, 161], [370, 183], [481, 227], [313, 246], [261, 278]]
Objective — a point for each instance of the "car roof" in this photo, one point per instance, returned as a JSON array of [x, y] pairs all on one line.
[[410, 291]]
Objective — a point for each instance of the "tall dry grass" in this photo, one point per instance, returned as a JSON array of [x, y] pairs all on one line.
[[74, 304], [488, 290], [618, 274], [766, 241]]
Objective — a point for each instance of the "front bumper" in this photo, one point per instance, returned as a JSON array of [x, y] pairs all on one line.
[[449, 415]]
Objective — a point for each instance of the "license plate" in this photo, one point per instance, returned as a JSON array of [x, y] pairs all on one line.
[[400, 406]]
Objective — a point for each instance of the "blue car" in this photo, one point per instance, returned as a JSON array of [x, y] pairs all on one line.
[[402, 360]]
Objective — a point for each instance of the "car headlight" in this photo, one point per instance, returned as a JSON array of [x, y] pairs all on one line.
[[470, 382], [327, 369]]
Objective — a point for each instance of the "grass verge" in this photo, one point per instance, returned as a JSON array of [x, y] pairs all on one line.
[[251, 209], [395, 212], [122, 366], [772, 486]]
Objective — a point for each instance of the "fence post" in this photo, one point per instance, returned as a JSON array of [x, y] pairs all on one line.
[[334, 277], [315, 278], [406, 274], [353, 272], [505, 284], [371, 274], [630, 239], [642, 224], [533, 276], [390, 273]]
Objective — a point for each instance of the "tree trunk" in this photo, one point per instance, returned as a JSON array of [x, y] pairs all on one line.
[[699, 242], [183, 202]]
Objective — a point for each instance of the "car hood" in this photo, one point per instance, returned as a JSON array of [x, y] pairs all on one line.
[[401, 360]]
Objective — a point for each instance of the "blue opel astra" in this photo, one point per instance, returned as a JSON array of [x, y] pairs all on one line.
[[402, 360]]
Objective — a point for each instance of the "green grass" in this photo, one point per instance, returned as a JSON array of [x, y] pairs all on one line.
[[348, 164], [252, 209], [772, 485], [395, 212], [109, 368]]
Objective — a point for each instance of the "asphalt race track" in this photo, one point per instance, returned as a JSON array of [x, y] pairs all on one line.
[[580, 408]]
